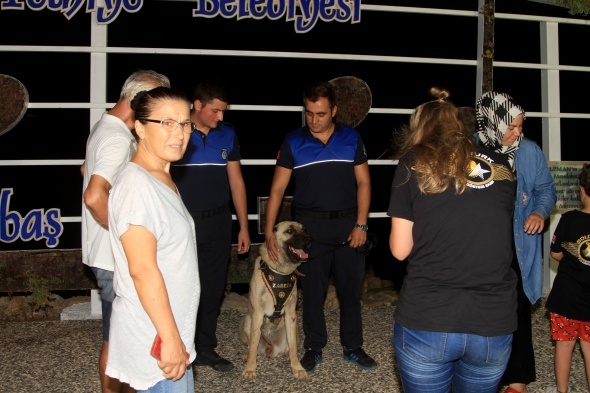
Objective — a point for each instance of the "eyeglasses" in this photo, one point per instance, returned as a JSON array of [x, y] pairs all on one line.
[[171, 125]]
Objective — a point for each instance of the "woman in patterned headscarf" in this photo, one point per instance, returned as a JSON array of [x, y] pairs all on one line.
[[500, 123], [500, 120]]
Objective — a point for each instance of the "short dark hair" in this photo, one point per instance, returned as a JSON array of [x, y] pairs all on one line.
[[209, 90], [316, 90], [467, 117]]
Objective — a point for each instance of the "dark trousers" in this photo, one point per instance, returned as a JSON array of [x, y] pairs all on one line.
[[348, 269], [521, 366], [214, 252]]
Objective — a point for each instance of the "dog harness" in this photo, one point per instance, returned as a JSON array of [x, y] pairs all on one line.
[[280, 286]]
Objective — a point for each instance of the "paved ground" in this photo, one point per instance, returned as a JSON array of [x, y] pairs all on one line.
[[61, 356]]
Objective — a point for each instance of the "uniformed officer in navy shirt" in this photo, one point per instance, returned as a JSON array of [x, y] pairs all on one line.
[[206, 176], [331, 199]]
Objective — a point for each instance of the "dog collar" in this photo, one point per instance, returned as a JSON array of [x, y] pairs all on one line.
[[280, 286]]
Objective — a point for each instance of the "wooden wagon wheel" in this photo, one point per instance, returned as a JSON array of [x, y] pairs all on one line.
[[14, 100]]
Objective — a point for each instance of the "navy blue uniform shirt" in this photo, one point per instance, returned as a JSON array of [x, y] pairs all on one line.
[[201, 175], [321, 169]]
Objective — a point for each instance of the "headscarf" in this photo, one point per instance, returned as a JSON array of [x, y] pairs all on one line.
[[494, 114]]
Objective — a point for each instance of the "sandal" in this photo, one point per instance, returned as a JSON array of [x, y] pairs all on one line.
[[511, 390]]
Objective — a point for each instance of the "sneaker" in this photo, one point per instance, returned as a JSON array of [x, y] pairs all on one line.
[[360, 358], [213, 360], [310, 359]]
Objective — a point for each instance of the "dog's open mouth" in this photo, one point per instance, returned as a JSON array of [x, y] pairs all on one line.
[[298, 253]]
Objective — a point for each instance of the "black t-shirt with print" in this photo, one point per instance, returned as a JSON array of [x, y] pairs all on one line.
[[459, 277], [570, 293]]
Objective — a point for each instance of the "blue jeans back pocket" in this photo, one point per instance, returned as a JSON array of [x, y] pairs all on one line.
[[423, 346], [499, 348]]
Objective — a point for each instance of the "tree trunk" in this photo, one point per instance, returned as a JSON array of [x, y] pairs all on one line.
[[488, 46]]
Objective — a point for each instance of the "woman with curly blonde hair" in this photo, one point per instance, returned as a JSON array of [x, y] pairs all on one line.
[[441, 147], [451, 212]]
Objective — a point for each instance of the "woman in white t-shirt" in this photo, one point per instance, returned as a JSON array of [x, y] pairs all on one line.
[[153, 239]]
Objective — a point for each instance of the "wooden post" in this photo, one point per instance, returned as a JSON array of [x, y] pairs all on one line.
[[488, 10]]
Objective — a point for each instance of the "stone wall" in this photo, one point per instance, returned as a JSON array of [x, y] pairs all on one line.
[[58, 270]]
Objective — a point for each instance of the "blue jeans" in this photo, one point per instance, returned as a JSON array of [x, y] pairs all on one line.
[[434, 361], [186, 384], [104, 280]]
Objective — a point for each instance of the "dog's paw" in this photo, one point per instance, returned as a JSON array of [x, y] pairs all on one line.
[[250, 375], [301, 374]]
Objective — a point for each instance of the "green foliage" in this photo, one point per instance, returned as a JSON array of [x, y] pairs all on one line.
[[574, 7], [487, 10], [40, 296]]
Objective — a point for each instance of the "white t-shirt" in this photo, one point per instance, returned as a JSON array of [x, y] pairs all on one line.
[[109, 148], [138, 198]]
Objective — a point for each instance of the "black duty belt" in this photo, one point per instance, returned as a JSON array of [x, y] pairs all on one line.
[[329, 214], [210, 213]]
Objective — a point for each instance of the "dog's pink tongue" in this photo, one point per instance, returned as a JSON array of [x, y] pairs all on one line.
[[301, 254]]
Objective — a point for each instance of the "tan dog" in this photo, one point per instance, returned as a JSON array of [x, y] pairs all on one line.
[[270, 327]]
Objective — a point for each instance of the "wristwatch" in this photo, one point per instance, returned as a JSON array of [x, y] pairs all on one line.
[[362, 227]]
